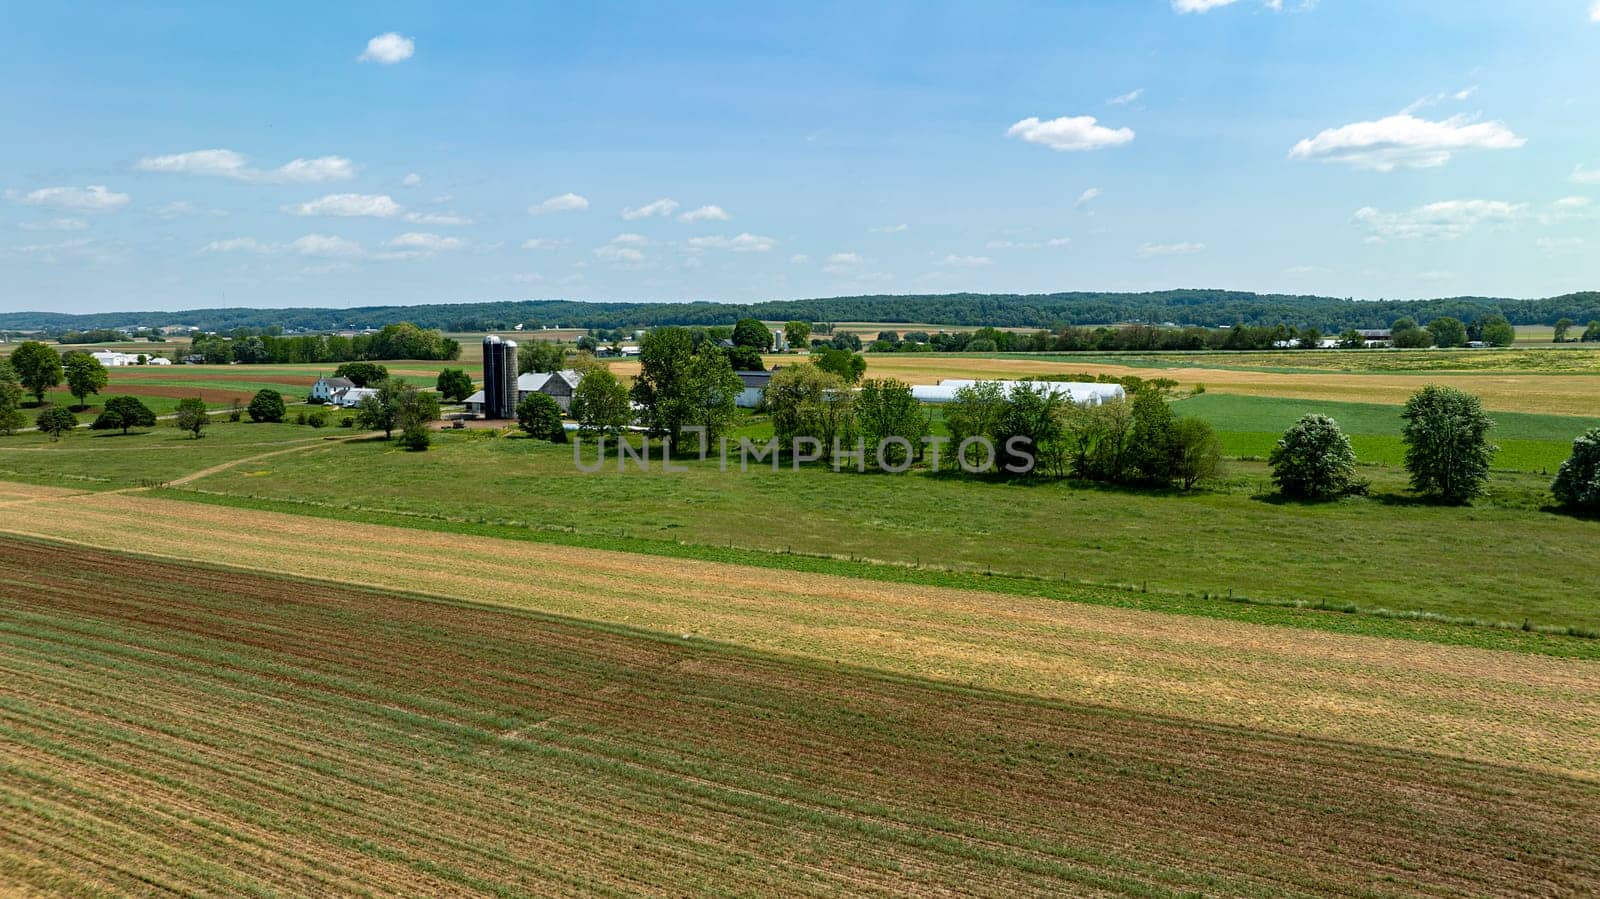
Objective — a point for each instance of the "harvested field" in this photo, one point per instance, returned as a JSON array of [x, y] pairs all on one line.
[[1498, 707], [167, 728]]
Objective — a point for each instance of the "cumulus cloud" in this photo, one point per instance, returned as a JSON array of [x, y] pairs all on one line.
[[618, 253], [1404, 141], [94, 198], [1594, 12], [61, 224], [630, 239], [1124, 99], [527, 278], [661, 207], [890, 229], [417, 240], [952, 259], [239, 245], [184, 208], [411, 180], [349, 206], [1069, 133], [705, 214], [1027, 244], [1189, 6], [1445, 220], [741, 243], [543, 243], [1086, 196], [561, 203], [388, 49], [325, 246], [437, 218], [229, 164], [1586, 176], [1170, 249]]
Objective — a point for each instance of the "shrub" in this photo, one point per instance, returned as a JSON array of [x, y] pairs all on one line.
[[1313, 459], [192, 416], [539, 416], [235, 411], [1577, 484], [267, 405], [1196, 452], [1447, 447], [317, 419]]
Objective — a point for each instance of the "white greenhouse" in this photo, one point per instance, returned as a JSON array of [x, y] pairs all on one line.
[[1081, 392]]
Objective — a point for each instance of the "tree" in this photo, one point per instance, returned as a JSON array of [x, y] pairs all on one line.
[[1310, 339], [416, 411], [84, 375], [977, 411], [1411, 338], [1563, 328], [680, 385], [1448, 332], [1592, 332], [797, 333], [381, 410], [846, 340], [750, 332], [192, 416], [1154, 429], [540, 356], [847, 365], [124, 413], [1099, 440], [38, 367], [600, 404], [1313, 459], [744, 358], [1447, 447], [886, 409], [361, 374], [56, 421], [1196, 452], [797, 400], [1577, 484], [454, 384], [1351, 339], [712, 388], [1496, 331], [11, 417], [539, 416], [266, 405], [1028, 437]]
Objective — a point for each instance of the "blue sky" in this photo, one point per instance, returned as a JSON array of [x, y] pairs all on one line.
[[353, 154]]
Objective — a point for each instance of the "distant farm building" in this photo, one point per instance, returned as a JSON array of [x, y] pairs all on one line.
[[558, 385], [323, 390], [1377, 336], [755, 387], [1080, 392], [111, 359], [499, 396], [350, 397]]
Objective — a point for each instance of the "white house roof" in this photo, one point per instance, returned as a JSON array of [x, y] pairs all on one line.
[[475, 398], [536, 380]]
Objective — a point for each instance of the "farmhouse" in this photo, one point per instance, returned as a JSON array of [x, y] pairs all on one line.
[[557, 385], [324, 389]]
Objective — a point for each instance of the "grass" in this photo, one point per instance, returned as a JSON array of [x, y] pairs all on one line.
[[107, 460], [179, 728]]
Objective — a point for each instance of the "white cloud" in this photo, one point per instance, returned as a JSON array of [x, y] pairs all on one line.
[[663, 206], [1436, 99], [527, 278], [799, 259], [411, 180], [1188, 6], [1058, 241], [239, 245], [629, 239], [890, 229], [1560, 244], [1586, 176], [349, 206], [615, 253], [705, 214], [325, 245], [1026, 244], [843, 263], [1573, 203], [77, 251], [420, 240], [437, 218], [1170, 249], [1069, 133], [228, 164], [1124, 99], [562, 203], [1446, 220], [183, 208], [94, 198], [388, 49], [1306, 270], [1404, 141], [1086, 197], [543, 243], [1594, 12], [62, 224], [742, 243], [965, 261]]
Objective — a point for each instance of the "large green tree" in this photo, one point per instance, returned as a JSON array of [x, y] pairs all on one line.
[[539, 416], [454, 384], [540, 356], [266, 406], [600, 404], [192, 416], [11, 417], [1448, 332], [124, 413], [750, 332], [84, 375], [1313, 459], [1447, 443], [38, 367], [56, 421], [362, 374], [1496, 331], [848, 365], [680, 385], [886, 409], [797, 334], [1577, 484]]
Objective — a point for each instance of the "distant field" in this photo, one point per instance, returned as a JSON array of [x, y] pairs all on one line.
[[176, 728], [1570, 358]]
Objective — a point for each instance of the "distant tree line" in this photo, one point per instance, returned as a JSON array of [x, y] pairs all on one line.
[[402, 340], [1204, 308]]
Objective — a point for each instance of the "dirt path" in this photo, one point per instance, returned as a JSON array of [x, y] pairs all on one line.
[[224, 466]]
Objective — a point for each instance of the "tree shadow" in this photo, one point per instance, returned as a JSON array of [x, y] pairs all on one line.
[[1571, 512]]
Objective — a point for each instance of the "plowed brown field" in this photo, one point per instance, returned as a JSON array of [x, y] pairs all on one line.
[[169, 728], [1523, 710]]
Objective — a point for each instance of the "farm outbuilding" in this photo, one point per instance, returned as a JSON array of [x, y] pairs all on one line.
[[558, 385], [1081, 392]]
